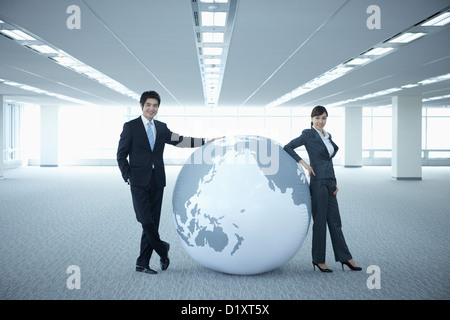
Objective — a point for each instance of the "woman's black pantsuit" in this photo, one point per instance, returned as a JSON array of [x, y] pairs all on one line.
[[325, 210]]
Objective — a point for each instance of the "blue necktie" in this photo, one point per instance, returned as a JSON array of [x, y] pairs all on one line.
[[151, 137]]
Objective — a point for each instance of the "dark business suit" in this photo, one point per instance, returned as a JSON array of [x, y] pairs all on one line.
[[325, 208], [144, 168]]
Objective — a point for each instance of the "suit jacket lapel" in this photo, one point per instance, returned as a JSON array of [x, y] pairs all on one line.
[[335, 147], [318, 137]]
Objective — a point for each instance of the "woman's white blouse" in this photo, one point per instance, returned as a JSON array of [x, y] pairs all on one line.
[[326, 140]]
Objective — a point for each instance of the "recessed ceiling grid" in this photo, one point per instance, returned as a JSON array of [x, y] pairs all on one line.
[[39, 46], [432, 24], [213, 26]]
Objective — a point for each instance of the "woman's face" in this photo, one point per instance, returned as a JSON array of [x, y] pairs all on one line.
[[319, 121]]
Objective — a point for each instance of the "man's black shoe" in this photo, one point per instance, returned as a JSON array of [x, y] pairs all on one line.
[[145, 270], [165, 261]]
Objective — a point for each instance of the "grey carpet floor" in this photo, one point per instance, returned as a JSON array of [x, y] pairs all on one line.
[[52, 218]]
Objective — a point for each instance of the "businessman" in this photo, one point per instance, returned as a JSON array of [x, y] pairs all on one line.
[[140, 159]]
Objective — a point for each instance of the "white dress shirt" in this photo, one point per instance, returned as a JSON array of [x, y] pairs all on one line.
[[326, 140], [146, 123]]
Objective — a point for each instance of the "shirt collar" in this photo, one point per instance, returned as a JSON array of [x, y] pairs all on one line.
[[321, 135], [145, 121]]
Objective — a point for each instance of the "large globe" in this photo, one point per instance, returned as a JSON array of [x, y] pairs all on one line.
[[241, 205]]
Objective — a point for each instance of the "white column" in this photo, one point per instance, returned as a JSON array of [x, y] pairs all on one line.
[[1, 138], [407, 137], [49, 136], [353, 137]]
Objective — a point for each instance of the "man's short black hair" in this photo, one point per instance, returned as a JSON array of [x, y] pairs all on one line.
[[149, 94]]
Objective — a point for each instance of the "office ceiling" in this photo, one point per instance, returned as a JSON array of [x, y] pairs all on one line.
[[276, 46]]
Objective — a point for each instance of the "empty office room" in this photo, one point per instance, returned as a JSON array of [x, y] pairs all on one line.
[[224, 150]]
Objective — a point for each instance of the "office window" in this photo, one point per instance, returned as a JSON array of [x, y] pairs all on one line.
[[382, 132], [276, 129], [31, 133], [437, 134], [436, 142], [377, 132], [12, 115], [89, 133], [253, 126]]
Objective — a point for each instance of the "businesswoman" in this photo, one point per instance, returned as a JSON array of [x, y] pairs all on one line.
[[321, 150]]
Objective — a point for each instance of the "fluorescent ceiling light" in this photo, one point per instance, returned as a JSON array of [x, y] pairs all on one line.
[[378, 51], [212, 61], [33, 89], [212, 76], [436, 98], [340, 70], [212, 51], [83, 69], [37, 90], [358, 61], [400, 40], [407, 37], [214, 19], [43, 48], [440, 20], [65, 61], [216, 37], [435, 79], [216, 1], [412, 85], [12, 83], [212, 69], [17, 35], [1, 21], [365, 97]]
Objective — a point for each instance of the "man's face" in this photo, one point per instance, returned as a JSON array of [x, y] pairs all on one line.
[[150, 108]]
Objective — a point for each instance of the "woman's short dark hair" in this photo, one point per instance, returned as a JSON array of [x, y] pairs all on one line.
[[317, 111], [149, 94]]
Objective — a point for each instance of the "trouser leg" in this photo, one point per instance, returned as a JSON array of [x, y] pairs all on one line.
[[147, 205], [319, 199], [340, 249]]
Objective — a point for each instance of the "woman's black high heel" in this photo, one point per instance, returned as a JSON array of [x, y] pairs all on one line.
[[323, 270], [348, 264]]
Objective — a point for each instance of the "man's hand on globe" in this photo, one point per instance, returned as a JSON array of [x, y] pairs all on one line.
[[207, 140]]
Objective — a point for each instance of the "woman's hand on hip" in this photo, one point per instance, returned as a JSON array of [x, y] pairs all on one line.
[[336, 191], [307, 167]]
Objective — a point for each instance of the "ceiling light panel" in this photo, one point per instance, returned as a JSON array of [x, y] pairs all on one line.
[[214, 19], [42, 48], [392, 90], [376, 52], [17, 34], [214, 1], [212, 61], [440, 20], [40, 91], [37, 45], [358, 61], [212, 51], [407, 37], [215, 27], [214, 37]]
